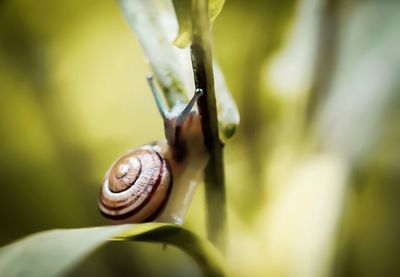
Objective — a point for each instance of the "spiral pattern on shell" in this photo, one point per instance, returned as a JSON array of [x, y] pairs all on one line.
[[136, 187]]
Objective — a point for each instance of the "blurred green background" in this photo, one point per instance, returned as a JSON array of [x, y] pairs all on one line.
[[313, 174]]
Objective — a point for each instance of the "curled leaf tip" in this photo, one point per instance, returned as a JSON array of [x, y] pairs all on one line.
[[229, 130], [183, 40], [183, 14]]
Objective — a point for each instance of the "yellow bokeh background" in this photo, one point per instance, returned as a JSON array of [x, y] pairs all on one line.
[[312, 174]]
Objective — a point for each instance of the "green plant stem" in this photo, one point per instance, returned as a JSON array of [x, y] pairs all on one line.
[[326, 56], [209, 260], [204, 79]]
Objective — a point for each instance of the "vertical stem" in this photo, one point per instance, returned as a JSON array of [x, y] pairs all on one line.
[[204, 79], [326, 55]]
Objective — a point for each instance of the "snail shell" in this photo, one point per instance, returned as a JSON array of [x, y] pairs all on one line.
[[137, 186]]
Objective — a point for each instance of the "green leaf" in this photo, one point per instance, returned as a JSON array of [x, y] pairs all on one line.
[[169, 64], [55, 252], [183, 10], [148, 20]]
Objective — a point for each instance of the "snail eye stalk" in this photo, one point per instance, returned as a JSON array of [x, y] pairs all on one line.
[[162, 108], [186, 111]]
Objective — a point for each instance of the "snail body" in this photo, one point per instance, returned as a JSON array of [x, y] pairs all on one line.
[[155, 182]]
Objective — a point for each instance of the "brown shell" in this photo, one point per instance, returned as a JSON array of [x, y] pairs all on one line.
[[136, 187]]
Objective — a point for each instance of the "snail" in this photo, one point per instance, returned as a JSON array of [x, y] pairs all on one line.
[[156, 181]]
